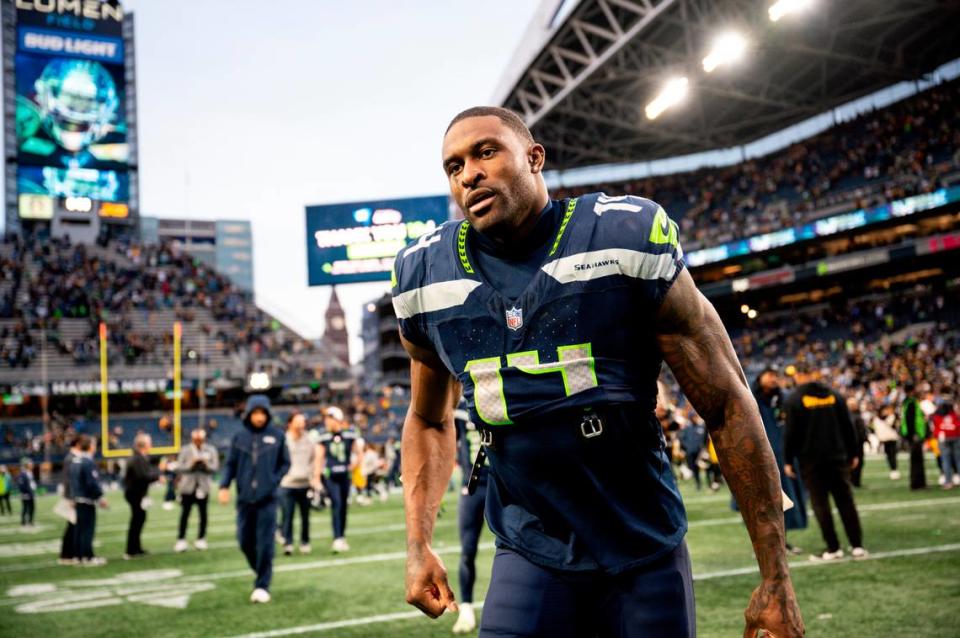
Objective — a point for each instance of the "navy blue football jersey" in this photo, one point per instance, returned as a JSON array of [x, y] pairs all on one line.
[[338, 448], [581, 335]]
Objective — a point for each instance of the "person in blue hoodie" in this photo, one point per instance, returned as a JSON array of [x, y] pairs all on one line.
[[258, 460]]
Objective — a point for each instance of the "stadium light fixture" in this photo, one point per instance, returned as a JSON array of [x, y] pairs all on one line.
[[728, 48], [752, 314], [744, 308], [672, 93], [782, 8]]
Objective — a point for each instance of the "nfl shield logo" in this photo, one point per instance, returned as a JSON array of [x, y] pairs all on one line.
[[514, 318]]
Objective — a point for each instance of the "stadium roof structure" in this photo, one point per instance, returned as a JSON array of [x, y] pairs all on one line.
[[582, 77]]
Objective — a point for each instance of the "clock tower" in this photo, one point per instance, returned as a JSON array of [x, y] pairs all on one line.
[[335, 333]]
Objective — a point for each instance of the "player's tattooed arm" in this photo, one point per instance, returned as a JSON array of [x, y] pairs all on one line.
[[427, 456], [698, 350]]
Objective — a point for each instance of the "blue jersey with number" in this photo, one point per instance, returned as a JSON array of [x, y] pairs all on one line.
[[580, 335], [338, 446]]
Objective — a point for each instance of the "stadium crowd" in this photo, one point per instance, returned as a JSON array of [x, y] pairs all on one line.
[[903, 149], [47, 281]]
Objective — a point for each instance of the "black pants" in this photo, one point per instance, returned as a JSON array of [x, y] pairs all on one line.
[[890, 449], [84, 530], [256, 527], [470, 523], [692, 464], [832, 478], [296, 498], [68, 546], [857, 472], [338, 486], [652, 601], [186, 504], [26, 511], [138, 516], [918, 478], [5, 504]]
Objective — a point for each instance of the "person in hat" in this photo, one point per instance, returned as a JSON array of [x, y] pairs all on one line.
[[257, 460]]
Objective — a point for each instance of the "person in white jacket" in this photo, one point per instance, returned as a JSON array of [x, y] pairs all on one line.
[[295, 486], [884, 426]]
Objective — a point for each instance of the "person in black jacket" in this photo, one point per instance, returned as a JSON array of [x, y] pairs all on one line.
[[820, 433], [68, 552], [140, 474], [28, 489], [257, 459], [860, 428], [87, 493]]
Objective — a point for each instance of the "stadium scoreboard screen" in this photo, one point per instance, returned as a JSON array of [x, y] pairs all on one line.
[[357, 242], [70, 109]]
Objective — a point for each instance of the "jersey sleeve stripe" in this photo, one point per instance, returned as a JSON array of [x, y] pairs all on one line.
[[433, 297], [612, 261]]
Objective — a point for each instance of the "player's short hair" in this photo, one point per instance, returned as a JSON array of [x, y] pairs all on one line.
[[508, 117]]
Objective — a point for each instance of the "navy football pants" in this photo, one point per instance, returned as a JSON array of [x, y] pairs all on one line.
[[338, 488], [653, 601], [256, 529], [470, 522]]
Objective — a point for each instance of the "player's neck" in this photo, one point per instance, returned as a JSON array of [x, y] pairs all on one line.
[[525, 235]]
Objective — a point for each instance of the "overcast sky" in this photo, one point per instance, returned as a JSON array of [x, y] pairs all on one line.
[[252, 109]]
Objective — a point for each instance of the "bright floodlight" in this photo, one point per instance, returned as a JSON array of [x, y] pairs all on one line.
[[752, 314], [785, 7], [672, 93], [727, 48], [744, 308]]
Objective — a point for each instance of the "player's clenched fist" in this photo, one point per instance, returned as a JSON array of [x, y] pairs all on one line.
[[773, 608], [427, 587]]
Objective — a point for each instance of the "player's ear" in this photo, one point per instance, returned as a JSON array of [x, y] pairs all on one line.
[[536, 157]]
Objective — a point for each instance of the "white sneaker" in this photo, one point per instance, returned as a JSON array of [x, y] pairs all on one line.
[[305, 548], [942, 480], [167, 506], [278, 536], [466, 621], [894, 475], [340, 545], [200, 544], [859, 552], [260, 596], [180, 546], [288, 550], [67, 561], [828, 555], [96, 561], [956, 478]]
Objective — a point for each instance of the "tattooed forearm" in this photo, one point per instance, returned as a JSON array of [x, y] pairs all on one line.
[[695, 345]]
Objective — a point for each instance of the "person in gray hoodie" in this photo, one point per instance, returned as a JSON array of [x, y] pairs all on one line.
[[195, 465], [257, 459], [296, 483]]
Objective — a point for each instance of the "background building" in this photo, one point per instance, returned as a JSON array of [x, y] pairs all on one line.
[[227, 245]]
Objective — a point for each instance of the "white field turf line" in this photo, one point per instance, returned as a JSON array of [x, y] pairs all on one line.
[[37, 548], [727, 573]]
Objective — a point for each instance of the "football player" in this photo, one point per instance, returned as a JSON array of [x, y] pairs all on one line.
[[555, 317]]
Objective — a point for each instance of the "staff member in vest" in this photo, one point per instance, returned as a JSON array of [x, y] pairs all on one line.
[[257, 460], [136, 483], [28, 489], [87, 493], [68, 552], [339, 450], [820, 433], [195, 465], [296, 483], [6, 486], [913, 429]]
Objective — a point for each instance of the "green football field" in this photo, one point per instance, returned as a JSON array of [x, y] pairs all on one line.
[[908, 587]]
